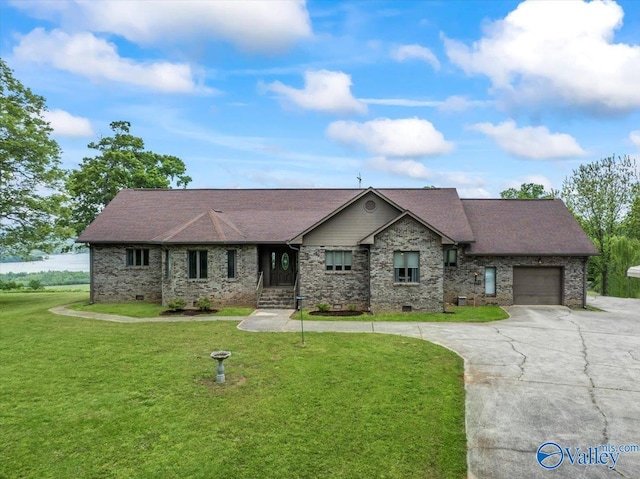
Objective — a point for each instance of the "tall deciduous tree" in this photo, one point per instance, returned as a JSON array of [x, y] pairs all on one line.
[[631, 224], [30, 173], [600, 194], [528, 191], [121, 163]]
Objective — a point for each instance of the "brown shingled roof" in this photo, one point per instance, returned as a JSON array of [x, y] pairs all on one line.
[[252, 216], [518, 227], [525, 227]]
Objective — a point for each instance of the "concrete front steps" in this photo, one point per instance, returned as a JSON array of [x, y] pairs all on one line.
[[277, 298]]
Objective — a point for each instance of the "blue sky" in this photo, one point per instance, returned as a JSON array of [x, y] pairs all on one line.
[[477, 95]]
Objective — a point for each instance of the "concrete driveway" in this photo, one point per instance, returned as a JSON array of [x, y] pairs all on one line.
[[550, 374]]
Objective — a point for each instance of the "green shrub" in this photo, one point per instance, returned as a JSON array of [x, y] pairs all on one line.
[[35, 284], [352, 307], [204, 304], [323, 307], [9, 285], [176, 304]]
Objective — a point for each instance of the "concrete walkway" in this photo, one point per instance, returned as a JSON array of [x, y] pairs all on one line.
[[547, 374]]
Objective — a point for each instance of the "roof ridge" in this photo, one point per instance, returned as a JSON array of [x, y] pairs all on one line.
[[178, 229], [213, 216], [220, 216]]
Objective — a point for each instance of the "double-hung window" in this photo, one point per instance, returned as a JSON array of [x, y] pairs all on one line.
[[406, 266], [197, 264], [338, 260], [138, 257]]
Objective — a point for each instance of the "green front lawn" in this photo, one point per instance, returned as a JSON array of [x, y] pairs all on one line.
[[140, 309], [454, 314], [83, 398]]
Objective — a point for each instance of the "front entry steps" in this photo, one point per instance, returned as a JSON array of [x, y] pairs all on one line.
[[277, 298]]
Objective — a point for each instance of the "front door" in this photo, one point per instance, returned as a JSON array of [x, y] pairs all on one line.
[[282, 266]]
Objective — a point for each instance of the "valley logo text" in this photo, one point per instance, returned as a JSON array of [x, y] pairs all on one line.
[[550, 455]]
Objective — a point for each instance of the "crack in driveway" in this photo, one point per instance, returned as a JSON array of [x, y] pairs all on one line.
[[592, 394], [511, 342]]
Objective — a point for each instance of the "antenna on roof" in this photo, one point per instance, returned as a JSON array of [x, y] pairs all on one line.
[[359, 178]]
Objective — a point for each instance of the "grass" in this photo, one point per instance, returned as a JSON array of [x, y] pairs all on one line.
[[588, 307], [140, 309], [454, 314], [69, 287], [82, 398]]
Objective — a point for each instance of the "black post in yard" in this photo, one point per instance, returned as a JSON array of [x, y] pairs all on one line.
[[300, 298]]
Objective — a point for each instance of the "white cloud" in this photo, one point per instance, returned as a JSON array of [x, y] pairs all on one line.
[[560, 52], [323, 90], [458, 103], [407, 137], [409, 168], [255, 26], [634, 136], [87, 55], [66, 124], [473, 193], [418, 52], [453, 103], [401, 102], [535, 143], [416, 170]]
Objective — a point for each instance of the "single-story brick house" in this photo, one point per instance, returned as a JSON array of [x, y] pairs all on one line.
[[372, 249]]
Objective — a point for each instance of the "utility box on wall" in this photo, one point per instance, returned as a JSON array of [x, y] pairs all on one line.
[[462, 300]]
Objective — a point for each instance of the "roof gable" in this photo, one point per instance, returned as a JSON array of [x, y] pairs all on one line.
[[349, 226], [369, 239]]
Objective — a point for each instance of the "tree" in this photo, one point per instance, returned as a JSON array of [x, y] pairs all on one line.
[[31, 202], [631, 224], [599, 195], [625, 252], [122, 163], [528, 191]]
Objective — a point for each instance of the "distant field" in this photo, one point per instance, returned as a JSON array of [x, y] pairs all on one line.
[[69, 287]]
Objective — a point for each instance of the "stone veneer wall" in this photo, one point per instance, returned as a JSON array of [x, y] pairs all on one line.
[[114, 281], [240, 290], [459, 279], [386, 295], [338, 289]]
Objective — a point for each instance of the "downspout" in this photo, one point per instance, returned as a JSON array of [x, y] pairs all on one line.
[[584, 281], [91, 283], [444, 272], [368, 250], [296, 289]]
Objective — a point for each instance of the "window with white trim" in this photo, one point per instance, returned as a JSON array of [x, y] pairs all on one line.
[[490, 281], [138, 257], [406, 266], [167, 264], [338, 260], [197, 262]]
